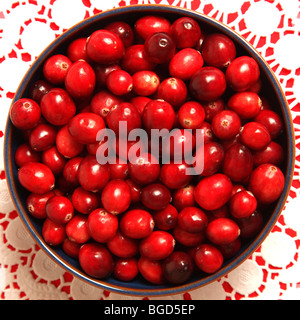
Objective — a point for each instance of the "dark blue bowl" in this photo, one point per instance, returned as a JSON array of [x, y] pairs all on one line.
[[272, 91]]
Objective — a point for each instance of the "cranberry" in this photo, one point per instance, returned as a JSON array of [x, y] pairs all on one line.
[[53, 160], [136, 224], [145, 169], [93, 176], [118, 170], [175, 176], [36, 204], [150, 24], [178, 267], [156, 196], [77, 50], [165, 219], [102, 225], [184, 197], [128, 149], [57, 107], [56, 68], [135, 190], [70, 171], [157, 246], [158, 114], [266, 183], [246, 104], [25, 153], [212, 108], [272, 121], [85, 126], [242, 204], [42, 137], [59, 209], [255, 136], [25, 114], [185, 64], [222, 212], [102, 72], [116, 196], [96, 260], [218, 50], [36, 177], [192, 219], [140, 102], [53, 233], [145, 83], [38, 90], [226, 124], [123, 30], [122, 246], [222, 231], [230, 250], [85, 201], [126, 269], [66, 144], [119, 82], [212, 157], [80, 80], [173, 90], [105, 47], [273, 154], [71, 248], [208, 134], [208, 258], [213, 192], [252, 225], [151, 270], [242, 73], [186, 32], [208, 84], [76, 229], [238, 162], [191, 115], [188, 239]]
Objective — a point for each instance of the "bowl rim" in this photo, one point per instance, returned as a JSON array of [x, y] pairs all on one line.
[[284, 107]]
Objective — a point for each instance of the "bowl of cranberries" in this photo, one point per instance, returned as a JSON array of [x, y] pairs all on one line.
[[149, 150]]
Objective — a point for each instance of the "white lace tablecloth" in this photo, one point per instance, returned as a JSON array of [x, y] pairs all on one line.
[[272, 26]]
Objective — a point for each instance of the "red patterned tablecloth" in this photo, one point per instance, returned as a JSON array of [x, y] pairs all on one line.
[[272, 26]]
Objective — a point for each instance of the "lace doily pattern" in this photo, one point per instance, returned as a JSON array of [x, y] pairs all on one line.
[[272, 27]]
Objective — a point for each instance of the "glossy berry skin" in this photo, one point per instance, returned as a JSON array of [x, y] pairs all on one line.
[[178, 267], [184, 197], [102, 72], [70, 171], [226, 124], [192, 219], [136, 224], [36, 204], [71, 248], [191, 115], [85, 126], [212, 108], [242, 204], [255, 136], [213, 192], [218, 50], [76, 229], [140, 102], [42, 137], [266, 183], [25, 114], [36, 177], [102, 225], [272, 121], [119, 82], [80, 80], [175, 176], [77, 50], [208, 258], [251, 226], [155, 196], [85, 201], [185, 63], [208, 84], [96, 260], [39, 89], [105, 47], [53, 233], [53, 160], [242, 73], [123, 30], [145, 83], [59, 209], [188, 239], [165, 219], [222, 231], [56, 68], [57, 107], [273, 154], [126, 269], [116, 196], [151, 270], [123, 246], [135, 190]]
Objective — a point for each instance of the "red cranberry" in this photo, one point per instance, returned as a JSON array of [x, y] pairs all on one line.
[[213, 192], [56, 68], [42, 137], [218, 50], [59, 209], [242, 73], [136, 224], [36, 177], [178, 267], [71, 248], [226, 124], [118, 170], [38, 90], [25, 114], [66, 144], [272, 121], [102, 72], [77, 50], [80, 80], [53, 160], [222, 231], [208, 84], [105, 47], [145, 83], [25, 153], [93, 176], [207, 132], [252, 225], [102, 225], [123, 30], [85, 126], [186, 32], [36, 204], [185, 63], [122, 246], [151, 270], [222, 212], [208, 258], [212, 108], [266, 183], [128, 149], [230, 250], [155, 196], [273, 154], [192, 219], [70, 171], [191, 115], [116, 196], [184, 197], [165, 219], [119, 82], [85, 201], [175, 176], [242, 204], [255, 136], [126, 269], [57, 107], [96, 260], [140, 102], [53, 233], [188, 239], [135, 190]]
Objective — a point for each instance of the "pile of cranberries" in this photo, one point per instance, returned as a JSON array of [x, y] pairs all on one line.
[[144, 218]]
